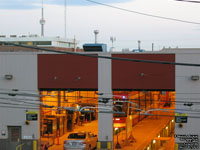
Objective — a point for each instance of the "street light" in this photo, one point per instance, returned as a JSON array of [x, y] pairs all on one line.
[[118, 146]]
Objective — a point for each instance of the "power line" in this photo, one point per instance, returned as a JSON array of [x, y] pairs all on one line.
[[104, 57], [189, 1], [178, 100], [20, 107], [26, 100], [63, 107], [144, 14], [30, 103], [197, 117], [8, 103]]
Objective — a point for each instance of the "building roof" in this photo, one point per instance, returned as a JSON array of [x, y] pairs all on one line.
[[34, 37]]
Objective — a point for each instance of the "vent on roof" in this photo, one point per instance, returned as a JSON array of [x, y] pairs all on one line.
[[13, 35], [95, 47]]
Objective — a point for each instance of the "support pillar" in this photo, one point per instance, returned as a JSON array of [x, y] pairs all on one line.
[[105, 120]]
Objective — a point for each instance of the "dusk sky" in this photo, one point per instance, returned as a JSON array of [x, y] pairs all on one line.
[[21, 17]]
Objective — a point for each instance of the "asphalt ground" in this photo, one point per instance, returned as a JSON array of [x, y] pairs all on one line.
[[143, 132]]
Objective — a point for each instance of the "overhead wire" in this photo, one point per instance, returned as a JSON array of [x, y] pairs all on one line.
[[21, 92], [20, 106], [62, 107], [141, 13], [8, 103], [157, 115], [178, 100], [188, 1], [29, 103], [92, 99]]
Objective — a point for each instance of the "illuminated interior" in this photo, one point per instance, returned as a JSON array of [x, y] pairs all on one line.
[[145, 106], [60, 115]]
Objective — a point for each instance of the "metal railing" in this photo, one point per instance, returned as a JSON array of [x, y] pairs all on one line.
[[19, 147]]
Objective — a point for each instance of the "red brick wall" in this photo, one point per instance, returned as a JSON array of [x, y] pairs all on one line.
[[137, 75], [67, 71]]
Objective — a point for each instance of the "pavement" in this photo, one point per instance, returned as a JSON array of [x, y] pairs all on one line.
[[90, 126], [143, 132]]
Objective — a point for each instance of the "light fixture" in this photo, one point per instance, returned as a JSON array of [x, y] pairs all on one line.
[[8, 77], [154, 141], [195, 77], [180, 125], [3, 132], [27, 122], [142, 74], [166, 128]]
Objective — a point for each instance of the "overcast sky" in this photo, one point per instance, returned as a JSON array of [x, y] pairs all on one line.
[[21, 17]]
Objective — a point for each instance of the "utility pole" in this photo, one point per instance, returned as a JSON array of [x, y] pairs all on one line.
[[74, 43]]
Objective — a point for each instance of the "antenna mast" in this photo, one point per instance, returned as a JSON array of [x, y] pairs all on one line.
[[112, 39], [65, 18]]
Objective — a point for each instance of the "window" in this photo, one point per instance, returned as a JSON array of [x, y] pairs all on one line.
[[77, 136]]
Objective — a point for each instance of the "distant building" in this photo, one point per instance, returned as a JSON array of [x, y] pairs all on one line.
[[55, 43], [179, 49], [125, 50]]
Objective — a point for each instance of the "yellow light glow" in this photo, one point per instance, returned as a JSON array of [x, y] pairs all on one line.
[[147, 148], [158, 136], [173, 120], [166, 128], [154, 141], [116, 129], [117, 119]]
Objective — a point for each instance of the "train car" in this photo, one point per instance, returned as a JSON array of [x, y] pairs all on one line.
[[120, 105]]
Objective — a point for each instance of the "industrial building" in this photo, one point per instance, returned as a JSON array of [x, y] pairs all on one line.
[[40, 93], [54, 43]]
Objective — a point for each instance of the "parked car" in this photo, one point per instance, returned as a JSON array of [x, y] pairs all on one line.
[[81, 141]]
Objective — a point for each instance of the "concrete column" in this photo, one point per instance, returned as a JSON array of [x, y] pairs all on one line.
[[105, 120]]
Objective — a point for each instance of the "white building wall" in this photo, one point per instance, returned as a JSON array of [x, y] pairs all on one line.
[[188, 91], [23, 67]]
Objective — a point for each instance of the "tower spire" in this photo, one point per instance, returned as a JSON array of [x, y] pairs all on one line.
[[42, 20]]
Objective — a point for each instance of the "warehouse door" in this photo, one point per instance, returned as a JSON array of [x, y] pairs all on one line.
[[14, 137]]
